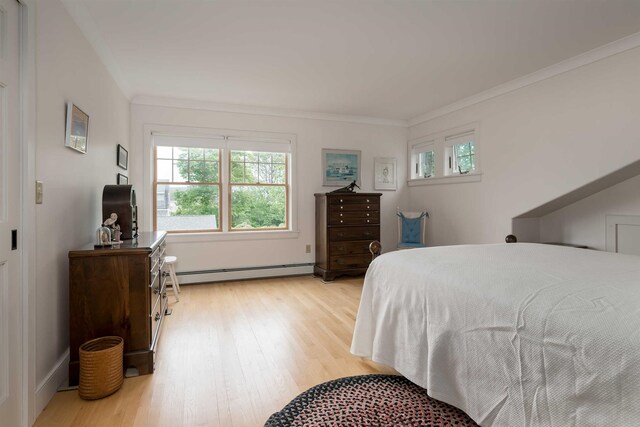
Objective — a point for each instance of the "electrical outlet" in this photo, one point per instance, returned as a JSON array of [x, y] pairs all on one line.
[[307, 249], [39, 192]]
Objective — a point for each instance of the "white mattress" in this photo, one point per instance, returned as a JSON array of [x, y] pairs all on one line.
[[514, 335]]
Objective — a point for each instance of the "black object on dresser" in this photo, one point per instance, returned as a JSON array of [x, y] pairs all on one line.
[[118, 291], [346, 223]]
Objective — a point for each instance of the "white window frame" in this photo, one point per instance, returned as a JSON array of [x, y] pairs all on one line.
[[442, 144], [416, 151], [233, 139]]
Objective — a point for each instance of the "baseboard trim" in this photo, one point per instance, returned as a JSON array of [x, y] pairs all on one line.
[[49, 385], [243, 273]]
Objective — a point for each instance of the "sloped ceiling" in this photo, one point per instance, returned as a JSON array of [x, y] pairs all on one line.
[[387, 59]]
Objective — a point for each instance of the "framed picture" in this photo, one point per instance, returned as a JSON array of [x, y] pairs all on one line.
[[123, 179], [340, 167], [123, 157], [385, 173], [77, 129]]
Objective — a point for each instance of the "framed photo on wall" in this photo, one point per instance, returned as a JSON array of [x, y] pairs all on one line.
[[340, 167], [77, 128], [123, 157], [123, 179], [385, 173]]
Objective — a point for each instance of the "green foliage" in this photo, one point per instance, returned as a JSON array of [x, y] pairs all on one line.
[[252, 206], [197, 200], [258, 207]]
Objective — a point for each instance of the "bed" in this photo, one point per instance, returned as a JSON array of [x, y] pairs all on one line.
[[513, 334]]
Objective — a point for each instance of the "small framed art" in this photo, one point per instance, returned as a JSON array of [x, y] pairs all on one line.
[[385, 173], [123, 179], [123, 157], [340, 167], [77, 129]]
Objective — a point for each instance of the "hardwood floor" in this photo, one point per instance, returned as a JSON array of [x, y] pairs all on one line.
[[231, 354]]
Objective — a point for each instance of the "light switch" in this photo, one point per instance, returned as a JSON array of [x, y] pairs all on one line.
[[38, 192]]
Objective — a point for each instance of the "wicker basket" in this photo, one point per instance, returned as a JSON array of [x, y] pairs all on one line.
[[101, 372]]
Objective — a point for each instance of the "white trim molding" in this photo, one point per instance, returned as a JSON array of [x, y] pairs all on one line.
[[450, 179], [158, 101], [50, 384], [586, 58]]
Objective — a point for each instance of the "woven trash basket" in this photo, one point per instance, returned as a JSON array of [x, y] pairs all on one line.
[[101, 372]]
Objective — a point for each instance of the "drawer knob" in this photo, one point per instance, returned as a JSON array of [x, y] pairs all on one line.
[[368, 214], [340, 214], [341, 207], [341, 200], [341, 221], [368, 207], [367, 200], [367, 220]]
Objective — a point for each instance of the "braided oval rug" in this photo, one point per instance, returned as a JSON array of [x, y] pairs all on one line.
[[368, 401]]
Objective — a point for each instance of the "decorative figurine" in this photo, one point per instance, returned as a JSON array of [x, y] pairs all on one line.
[[109, 222], [348, 189]]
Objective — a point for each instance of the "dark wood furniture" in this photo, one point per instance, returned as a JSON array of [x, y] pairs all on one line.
[[346, 224], [118, 291]]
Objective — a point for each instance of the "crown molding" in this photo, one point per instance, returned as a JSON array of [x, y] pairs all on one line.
[[83, 20], [157, 101], [597, 54]]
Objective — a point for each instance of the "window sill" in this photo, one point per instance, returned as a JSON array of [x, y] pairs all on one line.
[[231, 236], [450, 179]]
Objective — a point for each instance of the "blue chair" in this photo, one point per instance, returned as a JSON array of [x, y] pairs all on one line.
[[412, 229]]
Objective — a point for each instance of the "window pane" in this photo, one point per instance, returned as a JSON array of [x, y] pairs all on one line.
[[473, 147], [266, 173], [163, 170], [211, 172], [196, 153], [180, 153], [427, 164], [187, 207], [278, 157], [237, 172], [165, 152], [255, 207], [196, 171], [237, 156], [251, 156], [212, 154], [265, 157], [250, 173], [463, 150], [279, 176], [180, 171]]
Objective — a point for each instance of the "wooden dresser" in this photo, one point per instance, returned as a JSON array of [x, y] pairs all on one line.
[[346, 223], [118, 291]]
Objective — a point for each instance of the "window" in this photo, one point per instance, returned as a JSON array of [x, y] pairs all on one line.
[[423, 159], [445, 157], [258, 187], [462, 153], [220, 184], [187, 188]]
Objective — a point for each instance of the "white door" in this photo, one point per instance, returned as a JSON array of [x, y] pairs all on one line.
[[10, 216]]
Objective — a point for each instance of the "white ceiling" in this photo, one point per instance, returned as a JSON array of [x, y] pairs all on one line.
[[393, 59]]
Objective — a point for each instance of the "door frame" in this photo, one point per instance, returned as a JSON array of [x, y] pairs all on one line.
[[27, 236]]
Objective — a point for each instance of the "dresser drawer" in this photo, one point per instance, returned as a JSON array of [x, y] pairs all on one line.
[[359, 207], [337, 234], [351, 200], [349, 248], [354, 218], [349, 261]]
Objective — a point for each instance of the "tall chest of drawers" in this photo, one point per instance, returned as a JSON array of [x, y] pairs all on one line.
[[346, 223], [118, 291]]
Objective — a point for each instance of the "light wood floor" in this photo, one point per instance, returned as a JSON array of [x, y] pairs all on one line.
[[231, 354]]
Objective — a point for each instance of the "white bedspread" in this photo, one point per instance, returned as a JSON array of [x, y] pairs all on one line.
[[514, 335]]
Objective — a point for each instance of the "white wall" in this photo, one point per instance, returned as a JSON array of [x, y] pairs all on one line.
[[584, 222], [537, 143], [312, 136], [68, 70]]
